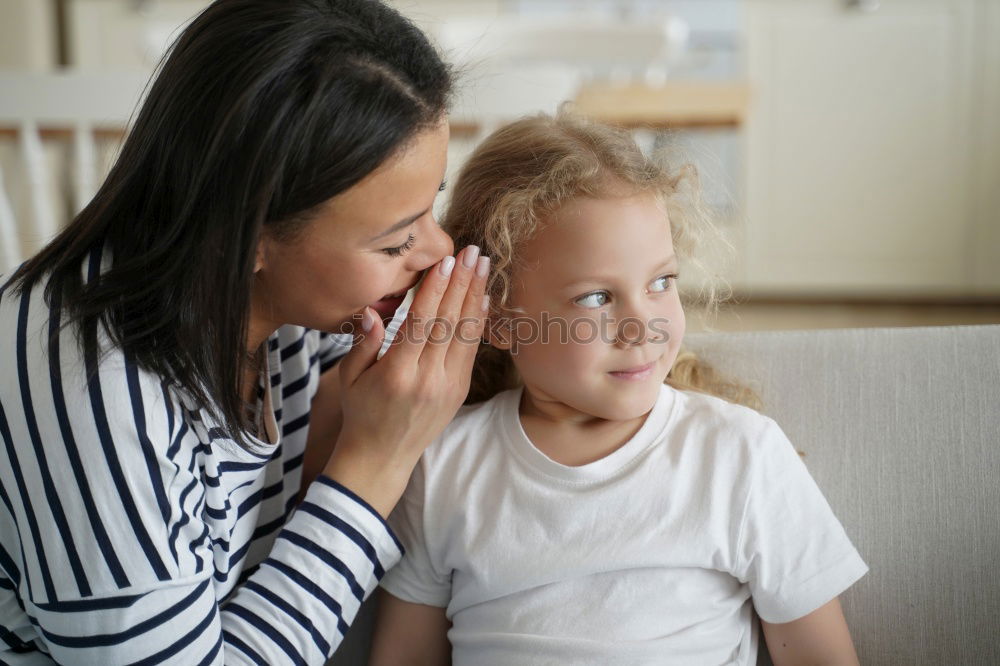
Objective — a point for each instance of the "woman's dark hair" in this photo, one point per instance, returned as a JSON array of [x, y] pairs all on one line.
[[262, 111]]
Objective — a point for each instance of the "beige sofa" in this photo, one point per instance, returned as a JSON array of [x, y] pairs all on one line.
[[901, 429]]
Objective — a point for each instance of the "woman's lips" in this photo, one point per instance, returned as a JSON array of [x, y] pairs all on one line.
[[387, 307], [636, 373]]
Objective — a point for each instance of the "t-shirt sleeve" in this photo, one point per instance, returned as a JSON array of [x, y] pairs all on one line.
[[791, 550], [418, 578], [332, 346]]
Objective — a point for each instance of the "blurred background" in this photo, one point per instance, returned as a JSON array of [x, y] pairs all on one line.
[[849, 149]]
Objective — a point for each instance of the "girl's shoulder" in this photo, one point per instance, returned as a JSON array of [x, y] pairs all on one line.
[[719, 420], [712, 405], [475, 425]]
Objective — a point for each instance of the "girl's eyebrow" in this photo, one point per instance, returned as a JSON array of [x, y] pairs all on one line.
[[667, 263]]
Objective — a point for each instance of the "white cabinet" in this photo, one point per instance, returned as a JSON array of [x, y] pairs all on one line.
[[986, 150], [112, 34], [27, 38], [871, 161], [136, 33]]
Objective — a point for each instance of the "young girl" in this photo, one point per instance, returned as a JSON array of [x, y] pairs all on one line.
[[601, 507]]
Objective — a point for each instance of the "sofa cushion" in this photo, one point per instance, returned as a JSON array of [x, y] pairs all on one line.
[[901, 430]]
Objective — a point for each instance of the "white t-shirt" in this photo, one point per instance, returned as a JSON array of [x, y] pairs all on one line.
[[647, 556]]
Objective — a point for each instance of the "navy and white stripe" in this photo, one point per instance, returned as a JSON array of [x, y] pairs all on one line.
[[133, 531]]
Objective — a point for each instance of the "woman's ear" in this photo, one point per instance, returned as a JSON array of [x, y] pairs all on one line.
[[259, 256]]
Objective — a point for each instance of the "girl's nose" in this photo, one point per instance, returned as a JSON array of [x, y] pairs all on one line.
[[632, 328], [632, 331]]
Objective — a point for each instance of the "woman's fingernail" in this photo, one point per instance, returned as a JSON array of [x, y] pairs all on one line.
[[447, 264], [470, 256], [367, 320], [486, 302], [483, 267]]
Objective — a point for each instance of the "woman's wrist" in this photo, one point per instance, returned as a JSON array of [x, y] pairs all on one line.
[[378, 481]]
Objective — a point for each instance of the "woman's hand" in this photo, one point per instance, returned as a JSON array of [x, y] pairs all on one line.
[[395, 406]]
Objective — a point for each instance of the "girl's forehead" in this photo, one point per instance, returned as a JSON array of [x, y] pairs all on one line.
[[586, 223], [606, 235]]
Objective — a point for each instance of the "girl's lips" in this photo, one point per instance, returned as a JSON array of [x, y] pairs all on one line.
[[636, 373]]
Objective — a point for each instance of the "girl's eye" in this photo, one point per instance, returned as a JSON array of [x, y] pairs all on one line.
[[443, 186], [594, 299], [401, 249], [662, 283]]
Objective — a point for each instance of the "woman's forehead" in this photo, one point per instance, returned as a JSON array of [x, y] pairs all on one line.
[[402, 188]]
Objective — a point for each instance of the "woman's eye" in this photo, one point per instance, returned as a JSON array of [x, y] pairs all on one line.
[[594, 299], [662, 283], [400, 249], [443, 186]]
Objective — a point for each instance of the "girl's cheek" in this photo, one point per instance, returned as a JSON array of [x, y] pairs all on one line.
[[582, 355], [584, 332], [679, 324]]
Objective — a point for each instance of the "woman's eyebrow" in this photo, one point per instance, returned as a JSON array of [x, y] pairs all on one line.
[[399, 225]]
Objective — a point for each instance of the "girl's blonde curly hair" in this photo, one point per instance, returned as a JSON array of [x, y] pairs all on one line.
[[524, 172]]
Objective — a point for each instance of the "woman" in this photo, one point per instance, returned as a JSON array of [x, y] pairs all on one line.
[[167, 391]]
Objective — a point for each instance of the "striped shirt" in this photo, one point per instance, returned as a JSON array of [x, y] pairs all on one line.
[[132, 530]]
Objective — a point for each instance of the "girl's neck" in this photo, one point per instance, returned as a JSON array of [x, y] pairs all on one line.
[[569, 436]]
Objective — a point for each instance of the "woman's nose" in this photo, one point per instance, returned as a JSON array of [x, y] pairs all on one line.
[[433, 246]]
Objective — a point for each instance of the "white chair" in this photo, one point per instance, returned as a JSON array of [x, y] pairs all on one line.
[[36, 107]]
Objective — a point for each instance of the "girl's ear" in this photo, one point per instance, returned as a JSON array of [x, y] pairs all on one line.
[[497, 333]]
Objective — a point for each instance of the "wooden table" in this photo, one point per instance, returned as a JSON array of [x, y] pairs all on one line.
[[675, 104]]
